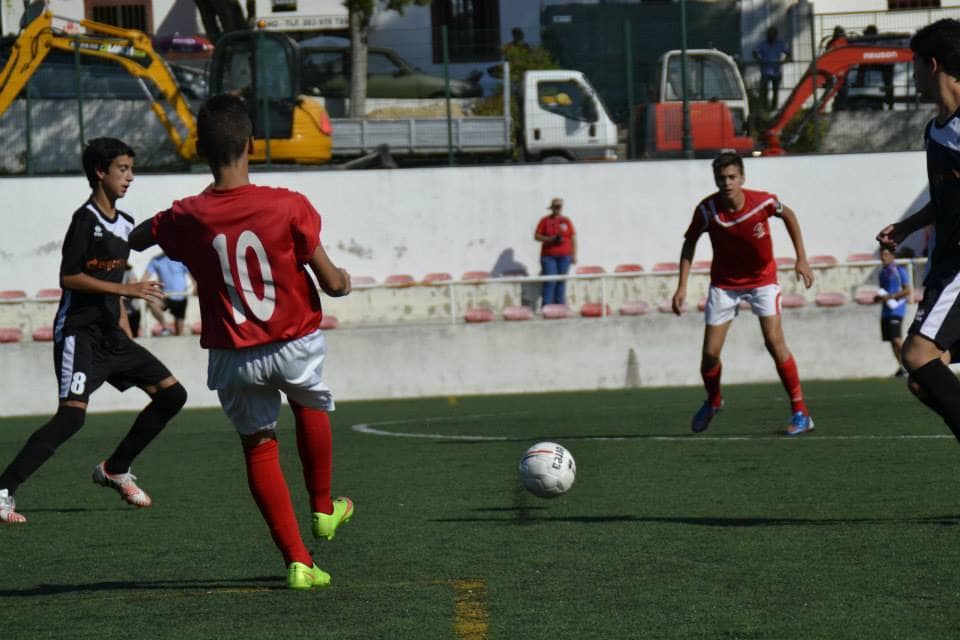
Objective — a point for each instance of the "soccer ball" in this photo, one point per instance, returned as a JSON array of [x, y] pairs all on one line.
[[547, 470]]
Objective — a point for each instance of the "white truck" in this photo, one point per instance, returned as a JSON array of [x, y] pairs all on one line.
[[562, 117]]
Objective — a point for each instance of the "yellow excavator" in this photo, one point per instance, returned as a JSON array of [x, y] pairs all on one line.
[[261, 66]]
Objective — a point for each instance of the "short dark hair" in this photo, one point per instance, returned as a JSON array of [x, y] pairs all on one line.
[[99, 153], [726, 159], [940, 40], [223, 129]]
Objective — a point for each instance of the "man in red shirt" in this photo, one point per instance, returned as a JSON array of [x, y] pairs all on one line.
[[743, 269], [249, 249], [558, 251]]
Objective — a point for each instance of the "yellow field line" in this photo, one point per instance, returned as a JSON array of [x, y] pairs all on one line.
[[470, 618]]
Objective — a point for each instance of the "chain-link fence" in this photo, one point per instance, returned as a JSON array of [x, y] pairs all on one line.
[[605, 81]]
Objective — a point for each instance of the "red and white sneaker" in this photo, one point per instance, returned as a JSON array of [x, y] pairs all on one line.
[[8, 509], [124, 484]]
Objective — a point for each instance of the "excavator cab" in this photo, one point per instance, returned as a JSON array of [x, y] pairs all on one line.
[[263, 67]]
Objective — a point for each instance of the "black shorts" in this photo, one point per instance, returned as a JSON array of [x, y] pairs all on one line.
[[177, 307], [938, 314], [891, 328], [87, 358]]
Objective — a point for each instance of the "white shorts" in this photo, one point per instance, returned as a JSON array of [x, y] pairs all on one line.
[[723, 305], [249, 381]]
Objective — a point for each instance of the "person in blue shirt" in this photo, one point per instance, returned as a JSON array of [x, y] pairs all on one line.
[[176, 285], [894, 293], [771, 54]]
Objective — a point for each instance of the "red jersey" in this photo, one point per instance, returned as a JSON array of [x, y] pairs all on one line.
[[248, 249], [556, 226], [742, 247]]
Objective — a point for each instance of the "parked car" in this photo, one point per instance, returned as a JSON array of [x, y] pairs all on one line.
[[325, 71]]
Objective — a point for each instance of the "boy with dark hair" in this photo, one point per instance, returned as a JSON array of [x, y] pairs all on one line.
[[92, 341], [894, 293], [261, 322], [743, 270], [936, 327]]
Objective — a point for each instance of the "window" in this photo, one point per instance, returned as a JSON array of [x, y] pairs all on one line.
[[566, 98], [707, 79], [129, 14], [381, 64], [473, 29], [913, 4]]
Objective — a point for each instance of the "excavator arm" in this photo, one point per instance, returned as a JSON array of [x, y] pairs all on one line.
[[129, 48], [829, 72]]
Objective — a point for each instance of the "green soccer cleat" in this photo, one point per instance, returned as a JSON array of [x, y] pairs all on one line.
[[303, 578], [325, 525]]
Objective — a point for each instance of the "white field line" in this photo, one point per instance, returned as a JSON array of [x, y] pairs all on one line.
[[369, 429]]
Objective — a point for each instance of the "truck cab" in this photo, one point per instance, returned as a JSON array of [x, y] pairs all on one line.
[[564, 118], [718, 103]]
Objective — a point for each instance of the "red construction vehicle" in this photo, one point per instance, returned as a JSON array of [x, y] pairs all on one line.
[[829, 71]]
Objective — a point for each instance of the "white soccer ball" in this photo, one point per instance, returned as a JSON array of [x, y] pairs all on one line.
[[547, 470]]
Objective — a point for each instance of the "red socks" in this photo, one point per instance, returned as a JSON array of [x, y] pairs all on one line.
[[711, 382], [315, 444], [791, 383], [269, 489]]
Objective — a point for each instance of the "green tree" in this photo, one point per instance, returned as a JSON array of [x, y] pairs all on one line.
[[360, 12]]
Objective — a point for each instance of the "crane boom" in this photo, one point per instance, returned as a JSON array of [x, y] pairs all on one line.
[[129, 48], [829, 71]]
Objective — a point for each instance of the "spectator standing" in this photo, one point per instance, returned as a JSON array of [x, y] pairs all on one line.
[[175, 279], [771, 54], [557, 252], [518, 43], [893, 293]]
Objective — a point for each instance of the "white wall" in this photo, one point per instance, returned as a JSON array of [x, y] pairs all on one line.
[[422, 220], [501, 357]]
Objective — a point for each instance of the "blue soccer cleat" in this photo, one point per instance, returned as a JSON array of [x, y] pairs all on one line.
[[799, 423], [701, 419]]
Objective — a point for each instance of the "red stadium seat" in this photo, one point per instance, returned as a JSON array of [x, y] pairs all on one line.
[[329, 322], [701, 265], [518, 312], [822, 260], [661, 267], [49, 294], [555, 311], [399, 280], [43, 334], [13, 294], [478, 315], [786, 261], [792, 301], [634, 308], [861, 257], [830, 299], [11, 334], [666, 306], [866, 296], [628, 267], [437, 277], [594, 310], [475, 275], [362, 281], [196, 328], [589, 269]]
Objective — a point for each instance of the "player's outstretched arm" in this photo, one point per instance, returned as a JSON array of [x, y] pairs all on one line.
[[686, 259], [802, 267], [893, 234], [333, 280], [142, 236], [149, 290]]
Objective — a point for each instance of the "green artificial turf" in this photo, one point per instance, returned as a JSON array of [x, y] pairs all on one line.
[[848, 532]]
